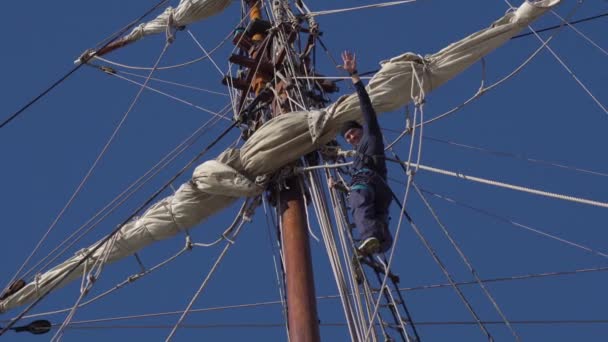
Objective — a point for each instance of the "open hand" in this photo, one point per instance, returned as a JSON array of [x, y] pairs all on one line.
[[350, 62]]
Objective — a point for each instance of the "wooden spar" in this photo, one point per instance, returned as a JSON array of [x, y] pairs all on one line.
[[301, 300], [302, 315]]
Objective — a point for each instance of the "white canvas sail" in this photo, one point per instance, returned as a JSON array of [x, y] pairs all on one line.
[[187, 12], [216, 184]]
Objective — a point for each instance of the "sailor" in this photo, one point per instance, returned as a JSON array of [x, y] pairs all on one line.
[[370, 196]]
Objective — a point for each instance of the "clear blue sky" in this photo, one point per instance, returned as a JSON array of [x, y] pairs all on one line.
[[541, 113]]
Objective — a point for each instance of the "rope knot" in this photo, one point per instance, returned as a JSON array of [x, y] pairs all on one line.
[[170, 28]]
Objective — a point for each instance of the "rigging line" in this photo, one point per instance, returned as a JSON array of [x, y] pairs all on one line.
[[565, 66], [319, 200], [229, 243], [306, 211], [174, 83], [88, 279], [506, 185], [76, 68], [103, 43], [330, 324], [328, 77], [91, 169], [280, 284], [506, 279], [331, 57], [127, 193], [442, 266], [267, 40], [342, 225], [410, 175], [200, 46], [198, 43], [514, 37], [212, 51], [517, 156], [466, 261], [580, 33], [417, 231], [379, 5], [516, 224], [558, 26], [331, 297], [171, 97], [347, 243], [60, 278], [130, 279]]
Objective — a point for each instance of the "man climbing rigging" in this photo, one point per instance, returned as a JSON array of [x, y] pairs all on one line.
[[370, 196]]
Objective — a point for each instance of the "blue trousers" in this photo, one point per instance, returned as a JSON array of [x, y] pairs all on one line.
[[369, 203]]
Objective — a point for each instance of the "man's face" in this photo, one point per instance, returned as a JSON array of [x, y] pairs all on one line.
[[353, 135]]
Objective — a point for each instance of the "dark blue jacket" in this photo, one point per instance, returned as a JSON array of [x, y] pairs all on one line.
[[370, 150]]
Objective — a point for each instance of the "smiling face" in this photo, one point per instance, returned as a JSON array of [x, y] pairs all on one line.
[[353, 135]]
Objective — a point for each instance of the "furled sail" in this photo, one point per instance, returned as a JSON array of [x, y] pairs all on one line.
[[217, 183], [186, 12]]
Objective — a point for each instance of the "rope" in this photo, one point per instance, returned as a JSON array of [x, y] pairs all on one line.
[[565, 66], [467, 262], [405, 197], [229, 242], [130, 279], [322, 213], [269, 303], [212, 51], [76, 68], [338, 202], [200, 46], [127, 193], [558, 26], [172, 97], [329, 324], [579, 32], [90, 171], [60, 278], [508, 186], [442, 267], [385, 4], [516, 224], [483, 89], [273, 245], [517, 156], [174, 83]]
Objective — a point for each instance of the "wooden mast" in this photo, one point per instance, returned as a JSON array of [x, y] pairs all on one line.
[[303, 321]]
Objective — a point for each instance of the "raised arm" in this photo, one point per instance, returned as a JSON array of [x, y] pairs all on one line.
[[370, 125]]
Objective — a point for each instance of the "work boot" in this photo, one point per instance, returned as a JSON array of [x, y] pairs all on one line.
[[16, 286], [369, 246]]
